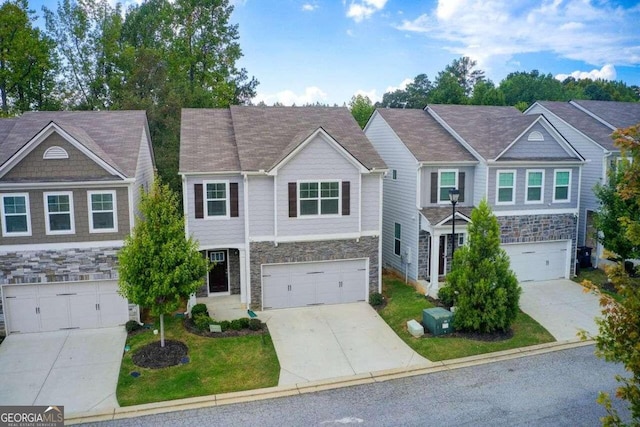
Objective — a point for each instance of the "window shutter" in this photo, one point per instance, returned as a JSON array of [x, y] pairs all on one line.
[[197, 193], [233, 199], [293, 200], [346, 197], [434, 187], [461, 186]]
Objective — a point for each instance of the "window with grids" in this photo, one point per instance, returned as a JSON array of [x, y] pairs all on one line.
[[561, 186], [102, 211], [506, 187], [216, 199], [16, 220], [397, 239], [319, 198], [447, 181], [59, 213], [535, 184]]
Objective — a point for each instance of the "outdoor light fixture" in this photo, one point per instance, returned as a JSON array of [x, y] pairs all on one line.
[[454, 194]]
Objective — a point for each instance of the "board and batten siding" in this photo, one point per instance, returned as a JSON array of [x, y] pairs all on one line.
[[426, 185], [318, 160], [261, 219], [399, 196], [215, 232], [525, 149], [593, 170], [371, 203]]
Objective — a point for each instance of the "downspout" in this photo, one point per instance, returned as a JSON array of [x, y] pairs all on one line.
[[247, 251]]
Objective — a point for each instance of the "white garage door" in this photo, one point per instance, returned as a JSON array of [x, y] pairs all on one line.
[[539, 261], [302, 284], [50, 307]]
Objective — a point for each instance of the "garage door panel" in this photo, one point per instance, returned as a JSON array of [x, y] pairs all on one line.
[[303, 288], [21, 314], [113, 309], [54, 312], [275, 290], [538, 261], [352, 289], [328, 289], [83, 310]]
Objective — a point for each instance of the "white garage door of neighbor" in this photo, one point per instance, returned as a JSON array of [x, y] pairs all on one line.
[[54, 306], [302, 284], [538, 261]]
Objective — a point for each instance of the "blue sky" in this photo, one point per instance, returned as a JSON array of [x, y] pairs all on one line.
[[328, 50]]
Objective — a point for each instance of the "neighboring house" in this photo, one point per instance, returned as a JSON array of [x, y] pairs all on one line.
[[524, 168], [285, 201], [588, 126], [69, 189]]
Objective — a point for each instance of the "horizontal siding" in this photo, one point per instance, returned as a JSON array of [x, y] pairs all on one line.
[[425, 185], [371, 202], [144, 171], [261, 217], [525, 149], [218, 232], [480, 183]]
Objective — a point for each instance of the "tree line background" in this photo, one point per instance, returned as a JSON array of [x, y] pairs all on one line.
[[162, 56]]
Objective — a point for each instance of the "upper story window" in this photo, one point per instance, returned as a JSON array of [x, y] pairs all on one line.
[[447, 180], [562, 185], [506, 186], [397, 234], [102, 211], [216, 199], [535, 186], [394, 174], [319, 198], [58, 212], [16, 219]]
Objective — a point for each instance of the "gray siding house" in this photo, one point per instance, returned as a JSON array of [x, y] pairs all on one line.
[[69, 189], [524, 168], [588, 126], [285, 201]]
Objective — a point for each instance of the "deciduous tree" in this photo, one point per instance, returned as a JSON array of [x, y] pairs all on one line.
[[361, 109]]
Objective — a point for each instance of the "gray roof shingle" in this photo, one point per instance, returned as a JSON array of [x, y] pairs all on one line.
[[618, 114], [243, 138], [114, 136]]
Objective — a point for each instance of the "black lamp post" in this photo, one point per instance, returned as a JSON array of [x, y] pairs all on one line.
[[454, 194]]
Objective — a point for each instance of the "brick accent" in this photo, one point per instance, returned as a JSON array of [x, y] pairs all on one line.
[[268, 253]]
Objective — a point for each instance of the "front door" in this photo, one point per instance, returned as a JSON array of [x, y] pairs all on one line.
[[218, 275]]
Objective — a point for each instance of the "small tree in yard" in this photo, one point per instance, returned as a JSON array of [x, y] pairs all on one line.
[[485, 290], [160, 267]]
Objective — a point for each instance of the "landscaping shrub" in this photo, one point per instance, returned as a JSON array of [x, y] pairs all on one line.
[[225, 325], [202, 322], [235, 325], [255, 324], [446, 295], [199, 309], [376, 299], [131, 326]]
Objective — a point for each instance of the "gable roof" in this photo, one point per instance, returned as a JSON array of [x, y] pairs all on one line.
[[425, 138], [243, 138], [617, 114], [113, 136]]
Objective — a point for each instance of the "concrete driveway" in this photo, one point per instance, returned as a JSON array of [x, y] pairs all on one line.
[[561, 306], [330, 341], [78, 369]]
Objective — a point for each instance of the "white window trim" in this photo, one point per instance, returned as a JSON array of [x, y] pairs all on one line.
[[555, 176], [440, 172], [526, 188], [319, 214], [114, 229], [397, 239], [513, 187], [227, 200], [72, 221], [5, 233]]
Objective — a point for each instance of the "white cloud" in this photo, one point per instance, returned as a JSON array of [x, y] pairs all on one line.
[[491, 31], [402, 86], [311, 95], [308, 7], [364, 9], [372, 95], [608, 72]]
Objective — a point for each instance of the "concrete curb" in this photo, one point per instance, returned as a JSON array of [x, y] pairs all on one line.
[[315, 386]]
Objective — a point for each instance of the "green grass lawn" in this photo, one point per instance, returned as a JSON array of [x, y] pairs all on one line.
[[404, 303], [217, 365]]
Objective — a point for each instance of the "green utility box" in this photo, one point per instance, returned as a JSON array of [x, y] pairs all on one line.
[[438, 320]]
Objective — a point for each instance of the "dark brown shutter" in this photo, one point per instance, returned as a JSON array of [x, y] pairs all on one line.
[[461, 186], [233, 199], [346, 197], [434, 187], [293, 200], [197, 194]]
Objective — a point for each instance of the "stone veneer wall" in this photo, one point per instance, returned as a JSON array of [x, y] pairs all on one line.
[[268, 253], [423, 255]]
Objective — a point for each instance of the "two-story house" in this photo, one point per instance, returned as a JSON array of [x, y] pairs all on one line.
[[525, 169], [285, 202], [69, 188], [588, 126]]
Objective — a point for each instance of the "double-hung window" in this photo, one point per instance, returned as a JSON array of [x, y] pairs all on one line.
[[397, 238], [535, 186], [102, 211], [16, 219], [216, 199], [562, 185], [447, 180], [319, 198], [58, 212], [506, 185]]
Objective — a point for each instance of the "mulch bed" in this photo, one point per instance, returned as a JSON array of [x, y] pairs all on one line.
[[155, 357], [189, 326]]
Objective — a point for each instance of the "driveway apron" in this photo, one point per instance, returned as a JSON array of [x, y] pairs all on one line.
[[330, 341], [561, 306], [78, 369]]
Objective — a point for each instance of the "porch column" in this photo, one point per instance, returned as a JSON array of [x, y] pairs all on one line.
[[243, 276], [434, 263]]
